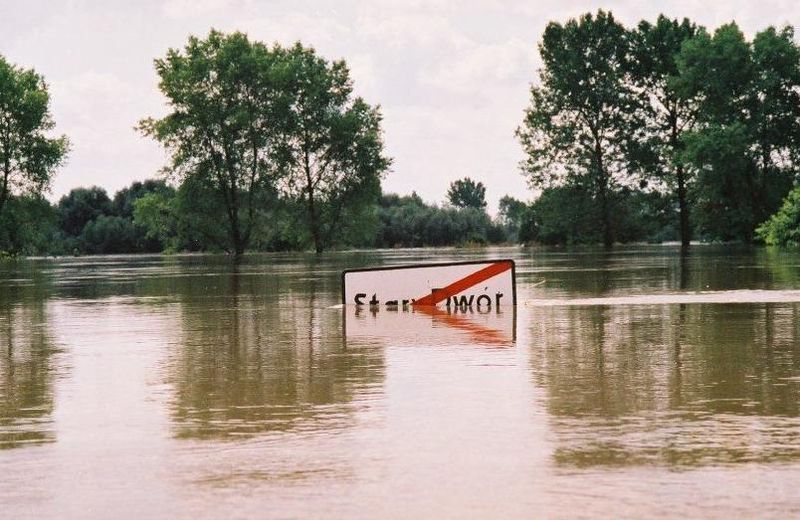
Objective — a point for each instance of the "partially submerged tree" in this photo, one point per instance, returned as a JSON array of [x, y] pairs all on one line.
[[579, 121], [745, 146], [667, 111], [221, 128], [466, 193], [330, 150], [28, 155]]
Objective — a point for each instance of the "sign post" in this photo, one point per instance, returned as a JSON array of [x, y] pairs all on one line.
[[488, 284]]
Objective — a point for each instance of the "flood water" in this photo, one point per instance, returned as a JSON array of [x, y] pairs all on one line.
[[633, 383]]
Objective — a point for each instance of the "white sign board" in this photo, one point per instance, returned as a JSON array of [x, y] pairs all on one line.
[[479, 285]]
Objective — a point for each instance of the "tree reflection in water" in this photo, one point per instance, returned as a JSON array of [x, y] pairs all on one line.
[[262, 354], [682, 385], [26, 374]]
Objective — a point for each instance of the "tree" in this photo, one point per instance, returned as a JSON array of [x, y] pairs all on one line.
[[512, 213], [775, 119], [466, 193], [28, 157], [330, 150], [29, 226], [221, 128], [110, 234], [183, 220], [783, 228], [124, 199], [667, 111], [745, 147], [82, 205], [579, 120], [408, 222]]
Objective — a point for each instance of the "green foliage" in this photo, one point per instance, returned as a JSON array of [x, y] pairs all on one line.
[[712, 119], [82, 205], [746, 144], [330, 151], [783, 228], [124, 199], [409, 222], [512, 213], [28, 156], [568, 215], [466, 193], [185, 220], [29, 226], [248, 120], [564, 215], [108, 234], [581, 112], [223, 96], [666, 111], [155, 214]]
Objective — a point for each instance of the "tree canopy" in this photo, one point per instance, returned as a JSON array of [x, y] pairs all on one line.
[[223, 96], [466, 193], [666, 111], [29, 155], [579, 121], [329, 151]]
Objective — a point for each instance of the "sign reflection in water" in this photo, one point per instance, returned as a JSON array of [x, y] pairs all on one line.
[[432, 326]]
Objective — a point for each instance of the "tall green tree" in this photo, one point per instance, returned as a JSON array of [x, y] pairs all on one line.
[[220, 131], [775, 117], [579, 120], [330, 150], [667, 111], [28, 154], [466, 193], [745, 145], [512, 213]]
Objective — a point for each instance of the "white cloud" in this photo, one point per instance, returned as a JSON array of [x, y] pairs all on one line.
[[194, 8], [480, 66]]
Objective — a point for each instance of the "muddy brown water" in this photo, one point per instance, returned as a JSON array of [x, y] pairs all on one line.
[[638, 382]]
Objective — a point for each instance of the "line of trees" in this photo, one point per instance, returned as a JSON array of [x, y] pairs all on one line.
[[152, 217], [710, 119], [662, 131]]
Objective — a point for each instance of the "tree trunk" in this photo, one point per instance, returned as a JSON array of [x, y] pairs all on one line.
[[686, 232], [4, 190], [314, 218], [608, 235], [236, 236], [313, 215], [602, 181]]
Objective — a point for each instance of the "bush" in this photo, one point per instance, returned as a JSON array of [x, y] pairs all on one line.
[[110, 235], [571, 215], [783, 228], [409, 222], [29, 226]]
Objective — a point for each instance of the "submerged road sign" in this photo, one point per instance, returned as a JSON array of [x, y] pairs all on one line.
[[482, 285]]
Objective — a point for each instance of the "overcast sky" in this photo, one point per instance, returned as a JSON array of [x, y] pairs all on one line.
[[452, 77]]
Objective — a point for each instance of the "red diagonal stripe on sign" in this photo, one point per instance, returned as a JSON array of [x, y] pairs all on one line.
[[463, 284]]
